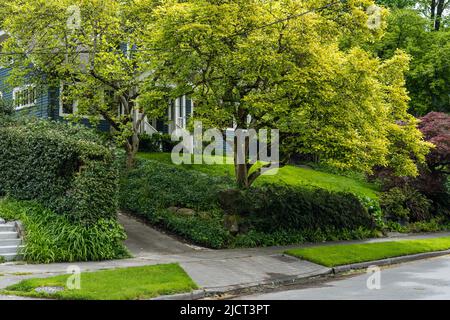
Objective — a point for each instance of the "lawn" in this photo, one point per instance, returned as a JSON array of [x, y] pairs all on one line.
[[291, 175], [337, 255], [118, 284]]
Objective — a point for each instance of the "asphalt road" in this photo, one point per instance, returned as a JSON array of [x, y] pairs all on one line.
[[419, 280]]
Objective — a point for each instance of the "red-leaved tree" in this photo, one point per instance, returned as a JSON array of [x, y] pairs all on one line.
[[436, 128]]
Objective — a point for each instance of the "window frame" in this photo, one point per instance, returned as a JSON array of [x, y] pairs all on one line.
[[17, 90]]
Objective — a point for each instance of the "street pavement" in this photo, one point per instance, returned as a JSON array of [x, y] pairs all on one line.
[[418, 280]]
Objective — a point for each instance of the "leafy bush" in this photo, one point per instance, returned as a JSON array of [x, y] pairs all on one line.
[[153, 185], [156, 143], [290, 236], [6, 108], [66, 168], [405, 205], [50, 237], [205, 231], [433, 176], [275, 207], [434, 225], [148, 143]]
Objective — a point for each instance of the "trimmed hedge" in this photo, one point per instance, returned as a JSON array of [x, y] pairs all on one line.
[[67, 168], [272, 208]]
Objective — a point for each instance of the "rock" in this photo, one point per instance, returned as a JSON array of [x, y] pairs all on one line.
[[186, 212], [204, 215], [49, 290], [2, 221], [231, 223], [173, 209]]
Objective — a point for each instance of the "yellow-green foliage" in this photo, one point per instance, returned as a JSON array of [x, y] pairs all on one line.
[[307, 76]]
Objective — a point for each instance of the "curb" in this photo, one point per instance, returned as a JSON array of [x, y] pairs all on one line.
[[390, 261], [290, 280], [245, 288], [194, 295]]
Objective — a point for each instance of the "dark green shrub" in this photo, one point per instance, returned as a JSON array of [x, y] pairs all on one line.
[[203, 231], [291, 236], [148, 143], [275, 207], [65, 167], [156, 143], [6, 108], [404, 205], [167, 143], [50, 237], [153, 185]]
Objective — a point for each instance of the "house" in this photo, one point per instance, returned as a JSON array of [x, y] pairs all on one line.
[[47, 103]]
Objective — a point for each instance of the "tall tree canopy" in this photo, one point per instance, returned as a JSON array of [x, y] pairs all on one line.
[[428, 80], [279, 64]]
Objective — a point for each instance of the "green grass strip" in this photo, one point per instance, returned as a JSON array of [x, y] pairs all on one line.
[[338, 255], [117, 284]]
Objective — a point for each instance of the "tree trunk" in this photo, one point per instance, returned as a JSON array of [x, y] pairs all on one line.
[[132, 147], [241, 176], [439, 13], [241, 169]]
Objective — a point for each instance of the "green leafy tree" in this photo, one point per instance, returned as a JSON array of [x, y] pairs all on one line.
[[90, 49], [437, 11], [279, 64], [428, 80], [397, 3]]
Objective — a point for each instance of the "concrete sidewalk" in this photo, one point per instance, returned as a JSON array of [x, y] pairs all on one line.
[[212, 270]]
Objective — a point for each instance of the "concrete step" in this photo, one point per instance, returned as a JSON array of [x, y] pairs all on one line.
[[9, 249], [10, 242], [8, 235], [10, 256], [7, 227]]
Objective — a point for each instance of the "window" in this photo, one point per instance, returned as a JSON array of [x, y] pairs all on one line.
[[24, 97], [67, 105]]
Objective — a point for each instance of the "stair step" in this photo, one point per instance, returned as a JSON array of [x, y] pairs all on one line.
[[10, 256], [10, 242], [9, 249], [8, 235], [7, 228]]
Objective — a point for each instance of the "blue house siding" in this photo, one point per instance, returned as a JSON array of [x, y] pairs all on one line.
[[48, 107], [42, 102], [47, 103], [54, 112], [4, 89]]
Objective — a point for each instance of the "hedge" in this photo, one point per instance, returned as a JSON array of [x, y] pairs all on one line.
[[272, 208], [65, 167]]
